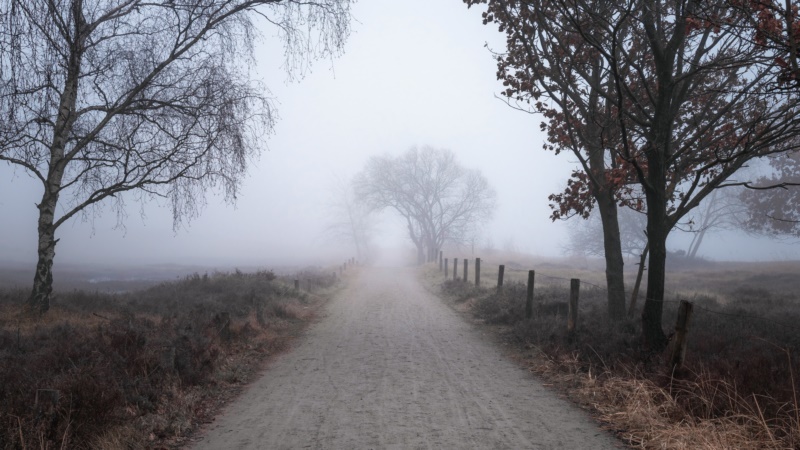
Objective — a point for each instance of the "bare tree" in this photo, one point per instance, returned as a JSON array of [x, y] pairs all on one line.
[[774, 212], [102, 97], [439, 199], [722, 210], [350, 221], [586, 236], [548, 68]]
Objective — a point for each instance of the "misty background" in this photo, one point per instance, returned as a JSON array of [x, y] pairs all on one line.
[[414, 73]]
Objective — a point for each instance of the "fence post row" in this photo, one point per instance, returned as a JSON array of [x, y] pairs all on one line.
[[529, 300], [574, 293], [681, 332], [500, 276], [679, 350]]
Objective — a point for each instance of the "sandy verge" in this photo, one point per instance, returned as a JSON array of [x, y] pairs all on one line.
[[390, 366]]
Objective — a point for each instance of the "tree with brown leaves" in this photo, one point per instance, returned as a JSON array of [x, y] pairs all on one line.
[[680, 95]]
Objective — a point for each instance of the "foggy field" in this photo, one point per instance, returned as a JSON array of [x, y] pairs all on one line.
[[119, 278], [684, 277]]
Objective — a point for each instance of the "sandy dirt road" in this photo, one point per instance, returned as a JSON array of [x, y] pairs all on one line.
[[390, 366]]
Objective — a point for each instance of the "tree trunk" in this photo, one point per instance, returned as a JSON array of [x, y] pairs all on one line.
[[433, 251], [707, 218], [657, 231], [698, 239], [638, 283], [39, 300], [613, 254]]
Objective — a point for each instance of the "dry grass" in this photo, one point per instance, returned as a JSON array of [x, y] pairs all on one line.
[[738, 388], [143, 369]]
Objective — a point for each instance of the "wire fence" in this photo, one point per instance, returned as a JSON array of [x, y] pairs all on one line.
[[744, 323]]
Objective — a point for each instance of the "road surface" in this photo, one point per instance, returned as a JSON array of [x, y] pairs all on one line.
[[389, 366]]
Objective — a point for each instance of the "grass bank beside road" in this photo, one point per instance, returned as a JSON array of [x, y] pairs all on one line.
[[142, 369], [737, 388]]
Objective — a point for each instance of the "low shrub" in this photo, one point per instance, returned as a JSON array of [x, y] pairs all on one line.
[[120, 370]]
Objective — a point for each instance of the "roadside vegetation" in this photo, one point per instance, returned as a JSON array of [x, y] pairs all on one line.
[[142, 369], [736, 389]]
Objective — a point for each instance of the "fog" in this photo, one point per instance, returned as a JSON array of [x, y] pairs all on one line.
[[415, 72]]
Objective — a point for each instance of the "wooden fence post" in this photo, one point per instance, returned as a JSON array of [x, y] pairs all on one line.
[[455, 268], [440, 260], [500, 271], [574, 293], [446, 272], [296, 284], [529, 299], [477, 272], [681, 332], [466, 265]]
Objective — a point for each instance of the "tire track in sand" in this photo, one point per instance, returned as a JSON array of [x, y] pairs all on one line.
[[390, 366]]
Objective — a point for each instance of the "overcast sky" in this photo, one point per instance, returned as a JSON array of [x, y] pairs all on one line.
[[414, 72]]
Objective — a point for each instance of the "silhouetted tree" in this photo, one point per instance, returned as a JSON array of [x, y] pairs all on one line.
[[586, 236], [439, 199], [101, 97], [772, 204]]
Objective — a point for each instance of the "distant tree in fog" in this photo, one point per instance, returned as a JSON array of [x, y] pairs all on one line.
[[440, 200], [775, 212], [101, 97], [585, 236], [722, 210], [350, 220]]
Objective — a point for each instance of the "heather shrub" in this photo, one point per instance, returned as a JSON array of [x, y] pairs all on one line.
[[128, 362]]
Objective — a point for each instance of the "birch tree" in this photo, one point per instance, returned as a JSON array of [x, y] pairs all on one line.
[[103, 97]]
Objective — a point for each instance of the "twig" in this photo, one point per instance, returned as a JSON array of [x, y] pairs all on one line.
[[21, 436], [764, 422]]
